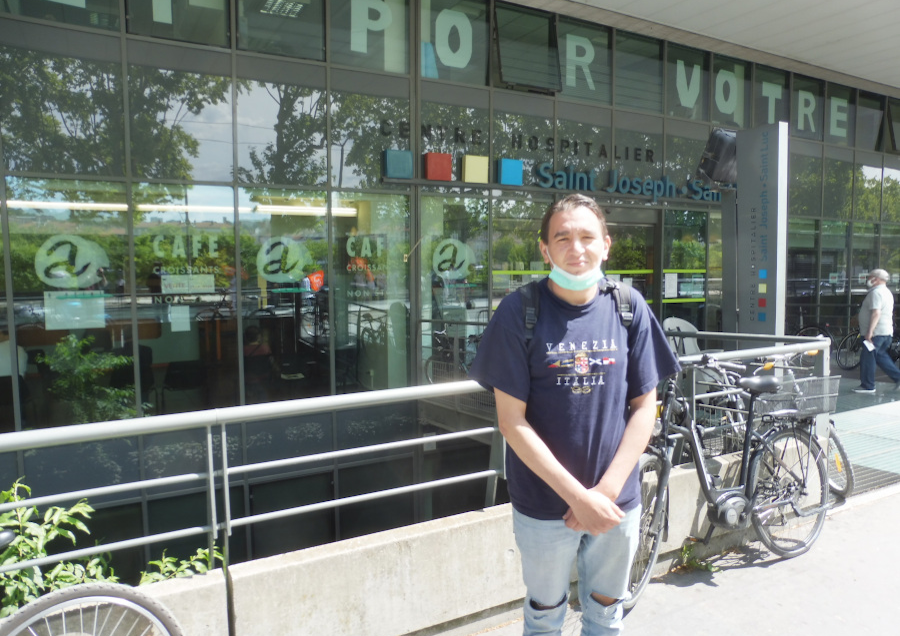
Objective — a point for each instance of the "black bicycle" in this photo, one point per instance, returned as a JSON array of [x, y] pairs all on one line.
[[89, 609], [782, 489], [850, 347]]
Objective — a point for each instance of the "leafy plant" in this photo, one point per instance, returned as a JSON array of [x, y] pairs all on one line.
[[172, 568], [34, 532], [691, 562]]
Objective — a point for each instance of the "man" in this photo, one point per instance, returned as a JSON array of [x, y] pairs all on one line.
[[576, 404], [876, 328]]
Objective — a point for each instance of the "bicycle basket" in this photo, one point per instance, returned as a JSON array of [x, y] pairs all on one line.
[[806, 396]]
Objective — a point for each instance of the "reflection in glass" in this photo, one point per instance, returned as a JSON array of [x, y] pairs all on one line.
[[805, 189], [684, 150], [61, 115], [381, 44], [455, 40], [527, 48], [684, 266], [890, 252], [639, 146], [869, 119], [838, 184], [863, 259], [203, 22], [867, 188], [808, 108], [69, 253], [98, 14], [281, 134], [180, 125], [639, 76], [584, 147], [285, 294], [289, 27], [834, 239], [455, 130], [802, 272], [525, 137], [770, 96], [632, 256], [516, 257], [731, 92], [587, 56], [356, 145], [370, 327], [185, 270], [840, 115], [891, 193], [687, 75]]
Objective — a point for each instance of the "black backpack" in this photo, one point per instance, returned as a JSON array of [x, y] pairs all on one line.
[[531, 304]]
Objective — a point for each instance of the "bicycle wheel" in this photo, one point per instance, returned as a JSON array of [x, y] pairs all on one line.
[[92, 609], [847, 356], [840, 471], [648, 545], [806, 359], [790, 491]]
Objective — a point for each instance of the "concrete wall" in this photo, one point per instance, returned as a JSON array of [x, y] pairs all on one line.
[[400, 581]]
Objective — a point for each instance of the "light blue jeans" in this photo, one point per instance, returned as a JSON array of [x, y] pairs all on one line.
[[548, 550]]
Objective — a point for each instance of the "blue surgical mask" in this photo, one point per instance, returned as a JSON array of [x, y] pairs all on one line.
[[574, 282]]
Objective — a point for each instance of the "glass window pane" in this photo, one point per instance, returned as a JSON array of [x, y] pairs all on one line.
[[890, 252], [68, 247], [808, 108], [586, 58], [770, 96], [455, 130], [870, 119], [99, 14], [639, 146], [802, 273], [685, 144], [864, 258], [527, 48], [583, 140], [357, 147], [373, 35], [891, 193], [893, 136], [731, 92], [282, 27], [867, 187], [684, 265], [370, 330], [805, 191], [455, 42], [281, 134], [200, 21], [687, 74], [835, 250], [525, 137], [838, 184], [185, 268], [516, 257], [61, 115], [180, 125], [285, 294], [639, 74], [840, 115]]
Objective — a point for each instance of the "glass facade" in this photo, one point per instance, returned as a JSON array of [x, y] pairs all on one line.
[[230, 202]]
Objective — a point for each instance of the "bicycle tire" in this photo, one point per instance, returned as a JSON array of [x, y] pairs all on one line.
[[92, 609], [648, 545], [777, 494], [812, 331], [841, 477], [847, 355]]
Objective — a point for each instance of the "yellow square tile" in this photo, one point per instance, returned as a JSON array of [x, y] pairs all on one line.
[[762, 288], [475, 169]]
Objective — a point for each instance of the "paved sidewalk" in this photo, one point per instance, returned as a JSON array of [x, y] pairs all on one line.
[[846, 584]]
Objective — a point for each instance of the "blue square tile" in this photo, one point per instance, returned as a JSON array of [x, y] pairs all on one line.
[[509, 171], [398, 164]]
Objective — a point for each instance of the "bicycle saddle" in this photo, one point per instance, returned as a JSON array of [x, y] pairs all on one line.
[[760, 384], [6, 537]]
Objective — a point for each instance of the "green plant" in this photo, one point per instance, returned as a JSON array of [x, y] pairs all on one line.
[[172, 568], [691, 562], [34, 532], [80, 380]]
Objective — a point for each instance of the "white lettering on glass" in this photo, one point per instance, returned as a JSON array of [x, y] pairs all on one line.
[[579, 53], [730, 93], [806, 106], [444, 25], [361, 23], [837, 126], [688, 89], [773, 93]]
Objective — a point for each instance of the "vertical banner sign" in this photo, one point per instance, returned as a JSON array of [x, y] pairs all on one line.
[[762, 169]]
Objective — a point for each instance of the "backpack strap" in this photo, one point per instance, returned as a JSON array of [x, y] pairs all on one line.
[[622, 295], [531, 307]]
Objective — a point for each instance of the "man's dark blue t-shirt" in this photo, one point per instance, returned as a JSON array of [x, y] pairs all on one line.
[[576, 377]]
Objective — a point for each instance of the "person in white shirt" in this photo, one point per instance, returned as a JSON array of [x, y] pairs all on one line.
[[876, 328]]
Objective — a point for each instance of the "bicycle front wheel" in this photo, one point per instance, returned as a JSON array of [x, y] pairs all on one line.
[[790, 491], [840, 471], [648, 545], [806, 358], [847, 356], [92, 609]]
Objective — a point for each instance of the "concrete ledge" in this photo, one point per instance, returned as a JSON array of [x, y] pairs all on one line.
[[199, 603]]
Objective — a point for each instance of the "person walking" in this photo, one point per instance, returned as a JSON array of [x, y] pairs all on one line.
[[876, 328], [576, 402]]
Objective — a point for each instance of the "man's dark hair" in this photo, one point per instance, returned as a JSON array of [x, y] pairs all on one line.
[[571, 202]]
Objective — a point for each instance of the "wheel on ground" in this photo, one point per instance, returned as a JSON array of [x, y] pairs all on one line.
[[92, 609], [847, 355], [808, 358], [648, 545], [840, 471], [790, 491]]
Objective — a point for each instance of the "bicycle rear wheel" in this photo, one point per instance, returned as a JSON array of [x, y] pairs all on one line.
[[92, 609], [840, 471], [790, 491], [648, 545], [847, 355], [806, 359]]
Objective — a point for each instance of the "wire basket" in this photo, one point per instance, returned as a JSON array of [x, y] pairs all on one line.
[[804, 396]]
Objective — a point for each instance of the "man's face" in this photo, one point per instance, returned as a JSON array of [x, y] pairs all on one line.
[[575, 241]]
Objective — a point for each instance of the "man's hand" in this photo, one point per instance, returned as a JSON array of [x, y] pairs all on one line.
[[594, 512]]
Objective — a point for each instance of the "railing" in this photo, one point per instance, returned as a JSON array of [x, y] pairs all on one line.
[[212, 479]]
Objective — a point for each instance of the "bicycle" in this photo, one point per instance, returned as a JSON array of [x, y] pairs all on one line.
[[450, 360], [850, 347], [782, 490], [89, 609]]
